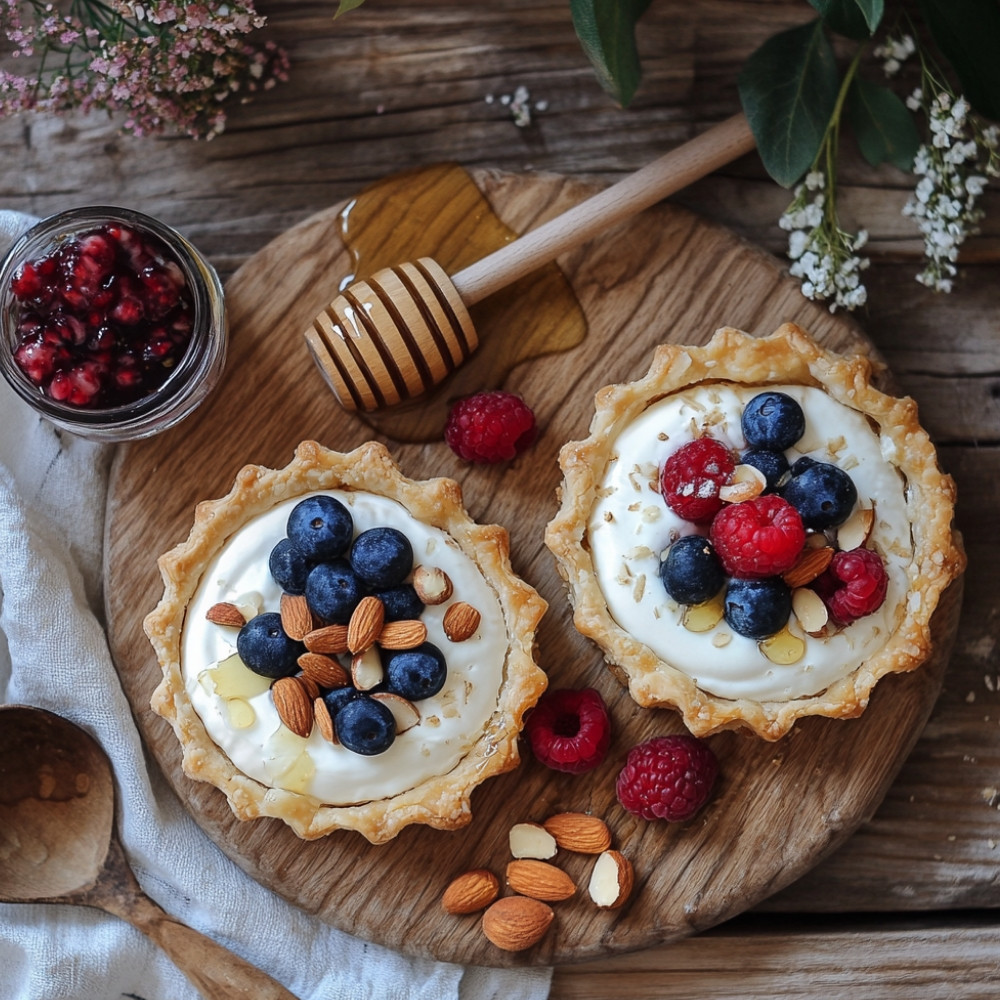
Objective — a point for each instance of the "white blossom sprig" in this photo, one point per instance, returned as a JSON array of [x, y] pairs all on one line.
[[953, 167], [823, 254]]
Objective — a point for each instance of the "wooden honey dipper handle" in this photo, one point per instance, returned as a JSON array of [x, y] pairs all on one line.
[[666, 175], [400, 332]]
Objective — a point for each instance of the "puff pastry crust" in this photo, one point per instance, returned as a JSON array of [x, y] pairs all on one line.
[[788, 356], [442, 801]]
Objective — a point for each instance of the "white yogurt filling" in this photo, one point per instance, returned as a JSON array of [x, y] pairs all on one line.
[[631, 526], [236, 706]]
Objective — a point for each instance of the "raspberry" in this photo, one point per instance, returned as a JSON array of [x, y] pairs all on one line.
[[490, 427], [667, 777], [569, 730], [759, 537], [853, 585], [691, 478]]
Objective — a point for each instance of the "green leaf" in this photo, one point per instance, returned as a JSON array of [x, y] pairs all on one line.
[[853, 18], [968, 34], [788, 89], [882, 124], [343, 6], [606, 30]]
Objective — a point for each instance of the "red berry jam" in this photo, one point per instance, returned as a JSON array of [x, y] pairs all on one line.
[[104, 316]]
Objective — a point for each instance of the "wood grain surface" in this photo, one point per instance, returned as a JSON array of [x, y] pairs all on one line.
[[780, 808], [403, 83]]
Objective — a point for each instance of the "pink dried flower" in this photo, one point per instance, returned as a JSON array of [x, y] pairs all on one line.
[[166, 63]]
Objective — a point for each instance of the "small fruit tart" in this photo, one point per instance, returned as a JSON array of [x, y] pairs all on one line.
[[344, 648], [754, 533]]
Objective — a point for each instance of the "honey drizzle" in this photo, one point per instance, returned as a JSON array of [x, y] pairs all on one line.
[[439, 212]]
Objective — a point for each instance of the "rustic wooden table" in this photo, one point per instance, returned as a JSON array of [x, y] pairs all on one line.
[[907, 907]]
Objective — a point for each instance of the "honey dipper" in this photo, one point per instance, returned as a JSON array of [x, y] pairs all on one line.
[[398, 333]]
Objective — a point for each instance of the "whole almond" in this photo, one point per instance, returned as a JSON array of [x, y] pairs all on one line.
[[296, 618], [539, 879], [460, 621], [514, 923], [293, 704], [324, 670], [432, 584], [328, 639], [406, 634], [365, 624], [225, 613], [579, 832], [611, 881], [324, 721], [311, 687], [811, 563], [471, 891]]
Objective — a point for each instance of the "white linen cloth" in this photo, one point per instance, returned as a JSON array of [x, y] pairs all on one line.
[[52, 496]]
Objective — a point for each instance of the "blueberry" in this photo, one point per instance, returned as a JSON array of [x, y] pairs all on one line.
[[321, 527], [416, 673], [365, 726], [266, 649], [333, 591], [823, 494], [339, 697], [289, 566], [773, 420], [773, 464], [401, 603], [382, 557], [758, 608], [692, 573]]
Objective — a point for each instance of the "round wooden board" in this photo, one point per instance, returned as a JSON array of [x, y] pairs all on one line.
[[779, 808]]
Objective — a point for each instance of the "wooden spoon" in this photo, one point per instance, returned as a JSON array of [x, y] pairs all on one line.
[[58, 843], [399, 333]]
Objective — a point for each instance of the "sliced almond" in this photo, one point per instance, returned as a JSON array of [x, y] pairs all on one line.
[[471, 891], [810, 610], [746, 482], [406, 714], [324, 670], [611, 880], [532, 840], [365, 624], [855, 531], [328, 639], [539, 879], [579, 832], [460, 621], [406, 634], [514, 923], [294, 707], [225, 613], [811, 563], [366, 669], [296, 618], [432, 584], [324, 721]]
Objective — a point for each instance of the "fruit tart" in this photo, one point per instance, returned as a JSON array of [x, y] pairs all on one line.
[[343, 647], [754, 533]]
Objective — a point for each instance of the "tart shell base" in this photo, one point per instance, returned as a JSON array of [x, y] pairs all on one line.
[[441, 802], [788, 356]]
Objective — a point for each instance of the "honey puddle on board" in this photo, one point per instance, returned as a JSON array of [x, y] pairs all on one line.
[[439, 212]]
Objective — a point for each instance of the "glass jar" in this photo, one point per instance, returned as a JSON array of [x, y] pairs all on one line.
[[110, 344]]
